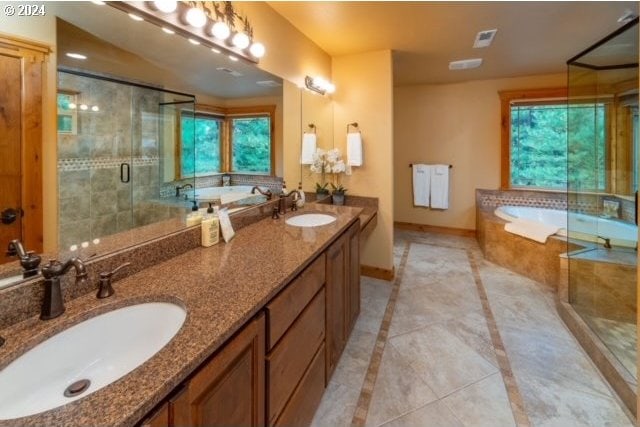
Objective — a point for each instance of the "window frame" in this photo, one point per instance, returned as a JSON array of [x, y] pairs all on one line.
[[226, 114], [507, 97], [202, 111]]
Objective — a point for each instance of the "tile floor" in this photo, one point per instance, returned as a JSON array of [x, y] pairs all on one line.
[[443, 364]]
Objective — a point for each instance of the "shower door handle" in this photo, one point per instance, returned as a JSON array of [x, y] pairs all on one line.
[[125, 172]]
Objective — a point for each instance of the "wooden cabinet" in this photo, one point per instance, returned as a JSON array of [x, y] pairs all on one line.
[[159, 418], [229, 389], [343, 293], [336, 285]]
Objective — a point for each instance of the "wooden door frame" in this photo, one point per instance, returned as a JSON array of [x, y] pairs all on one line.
[[33, 57]]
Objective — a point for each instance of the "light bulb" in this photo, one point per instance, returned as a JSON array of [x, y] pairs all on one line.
[[330, 87], [135, 17], [95, 108], [168, 30], [257, 50], [320, 83], [193, 41], [214, 50], [220, 30], [84, 107], [166, 6], [233, 58], [72, 106], [241, 40], [196, 17]]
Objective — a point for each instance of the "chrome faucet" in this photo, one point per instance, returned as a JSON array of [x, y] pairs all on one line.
[[53, 304], [607, 242], [182, 187], [28, 260], [267, 193]]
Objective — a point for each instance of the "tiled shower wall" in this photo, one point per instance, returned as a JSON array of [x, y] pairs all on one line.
[[585, 203], [93, 202]]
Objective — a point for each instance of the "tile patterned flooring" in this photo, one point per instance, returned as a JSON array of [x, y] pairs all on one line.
[[459, 341]]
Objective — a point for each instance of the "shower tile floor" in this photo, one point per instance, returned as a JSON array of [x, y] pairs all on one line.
[[619, 337], [468, 344]]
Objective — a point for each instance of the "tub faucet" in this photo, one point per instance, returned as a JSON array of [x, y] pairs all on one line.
[[607, 242], [28, 260], [267, 193], [182, 187], [53, 304]]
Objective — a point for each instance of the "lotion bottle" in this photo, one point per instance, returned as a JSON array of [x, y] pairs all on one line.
[[301, 199], [210, 229]]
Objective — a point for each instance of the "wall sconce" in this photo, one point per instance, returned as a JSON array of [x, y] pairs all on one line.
[[215, 24], [319, 85]]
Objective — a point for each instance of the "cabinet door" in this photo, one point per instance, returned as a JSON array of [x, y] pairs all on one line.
[[336, 281], [229, 389], [353, 288], [160, 418]]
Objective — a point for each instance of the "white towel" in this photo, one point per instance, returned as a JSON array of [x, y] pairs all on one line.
[[421, 185], [308, 148], [354, 149], [533, 230], [440, 186]]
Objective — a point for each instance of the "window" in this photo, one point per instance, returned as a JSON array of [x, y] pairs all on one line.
[[201, 141], [216, 140], [251, 144], [535, 141]]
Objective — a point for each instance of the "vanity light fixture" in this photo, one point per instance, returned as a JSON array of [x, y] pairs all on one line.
[[241, 40], [319, 85], [76, 55], [257, 49], [135, 17], [168, 30], [166, 6], [220, 30]]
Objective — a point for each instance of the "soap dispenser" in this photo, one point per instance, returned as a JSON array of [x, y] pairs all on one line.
[[210, 228], [301, 196]]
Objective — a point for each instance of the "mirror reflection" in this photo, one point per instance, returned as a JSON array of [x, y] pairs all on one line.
[[317, 119], [149, 128]]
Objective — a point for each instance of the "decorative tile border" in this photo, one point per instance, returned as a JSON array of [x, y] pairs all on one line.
[[80, 164]]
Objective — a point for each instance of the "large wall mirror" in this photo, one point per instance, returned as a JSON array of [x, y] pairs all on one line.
[[316, 118], [148, 123]]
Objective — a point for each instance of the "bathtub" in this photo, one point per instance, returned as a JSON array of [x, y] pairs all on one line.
[[581, 226], [229, 194]]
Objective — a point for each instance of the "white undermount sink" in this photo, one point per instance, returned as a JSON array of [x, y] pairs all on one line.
[[310, 220], [101, 350]]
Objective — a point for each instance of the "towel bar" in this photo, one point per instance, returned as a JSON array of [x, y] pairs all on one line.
[[411, 165]]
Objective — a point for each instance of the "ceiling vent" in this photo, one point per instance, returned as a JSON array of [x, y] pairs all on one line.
[[484, 38], [268, 83], [465, 64], [234, 73]]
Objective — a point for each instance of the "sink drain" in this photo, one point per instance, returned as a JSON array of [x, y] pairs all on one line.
[[77, 388]]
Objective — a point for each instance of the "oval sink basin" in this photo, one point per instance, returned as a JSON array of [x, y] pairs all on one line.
[[86, 357], [310, 220]]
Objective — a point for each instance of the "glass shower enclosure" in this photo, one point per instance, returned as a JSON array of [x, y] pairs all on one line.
[[602, 175]]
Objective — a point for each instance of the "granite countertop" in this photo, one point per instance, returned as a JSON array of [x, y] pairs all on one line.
[[221, 287]]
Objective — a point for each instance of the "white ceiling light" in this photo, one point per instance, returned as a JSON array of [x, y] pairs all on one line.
[[84, 107], [76, 55], [484, 38], [193, 41], [166, 6], [95, 108], [135, 17], [195, 17], [220, 30], [319, 85], [168, 30], [241, 40], [72, 106], [257, 50], [465, 64]]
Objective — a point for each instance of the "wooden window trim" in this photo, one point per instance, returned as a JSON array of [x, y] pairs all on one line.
[[506, 98], [203, 112], [226, 146]]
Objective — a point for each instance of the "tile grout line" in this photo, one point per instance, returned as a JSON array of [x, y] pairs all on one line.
[[513, 392], [366, 392]]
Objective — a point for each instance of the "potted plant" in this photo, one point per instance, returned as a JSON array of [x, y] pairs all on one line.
[[321, 189], [337, 195]]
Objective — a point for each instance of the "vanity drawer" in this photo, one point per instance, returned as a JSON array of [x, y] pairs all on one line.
[[306, 397], [289, 360], [288, 304]]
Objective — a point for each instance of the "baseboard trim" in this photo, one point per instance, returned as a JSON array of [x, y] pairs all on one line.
[[435, 229], [377, 272]]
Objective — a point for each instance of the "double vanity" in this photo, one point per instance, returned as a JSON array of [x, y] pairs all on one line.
[[243, 333]]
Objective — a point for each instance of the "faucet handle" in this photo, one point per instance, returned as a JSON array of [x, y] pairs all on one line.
[[105, 289]]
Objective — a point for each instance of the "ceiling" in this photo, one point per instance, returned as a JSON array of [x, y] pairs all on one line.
[[533, 37], [139, 51]]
